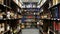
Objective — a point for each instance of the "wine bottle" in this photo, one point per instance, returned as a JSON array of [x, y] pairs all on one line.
[[1, 17], [0, 28], [8, 15], [22, 25]]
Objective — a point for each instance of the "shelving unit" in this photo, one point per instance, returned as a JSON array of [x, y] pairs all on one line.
[[5, 6], [50, 15], [54, 25], [12, 7], [16, 15], [9, 15]]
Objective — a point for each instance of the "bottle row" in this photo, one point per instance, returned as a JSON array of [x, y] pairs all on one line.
[[8, 15], [32, 24], [3, 27]]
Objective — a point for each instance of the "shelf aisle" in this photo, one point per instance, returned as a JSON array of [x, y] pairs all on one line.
[[35, 16]]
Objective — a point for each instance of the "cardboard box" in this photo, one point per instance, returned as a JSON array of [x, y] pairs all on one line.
[[57, 1], [1, 1], [54, 2]]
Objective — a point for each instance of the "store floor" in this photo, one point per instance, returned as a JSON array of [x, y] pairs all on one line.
[[30, 31], [26, 31]]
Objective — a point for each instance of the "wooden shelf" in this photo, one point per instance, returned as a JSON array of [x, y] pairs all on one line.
[[4, 6], [44, 19], [30, 8], [30, 15], [51, 19], [6, 31], [55, 19], [11, 19], [30, 22]]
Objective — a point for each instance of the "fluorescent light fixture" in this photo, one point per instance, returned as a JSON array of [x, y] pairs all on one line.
[[21, 2], [41, 2]]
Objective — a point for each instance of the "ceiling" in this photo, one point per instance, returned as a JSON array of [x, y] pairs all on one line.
[[30, 0], [34, 2]]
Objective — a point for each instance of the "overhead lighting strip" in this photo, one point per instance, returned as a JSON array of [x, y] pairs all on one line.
[[39, 1]]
